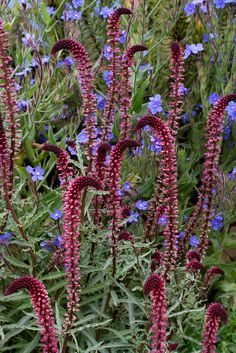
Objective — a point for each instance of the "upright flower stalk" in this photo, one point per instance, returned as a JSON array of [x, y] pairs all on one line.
[[177, 77], [155, 286], [126, 90], [71, 242], [113, 185], [42, 307], [4, 163], [80, 56], [208, 179], [114, 69], [215, 313], [9, 99], [170, 190]]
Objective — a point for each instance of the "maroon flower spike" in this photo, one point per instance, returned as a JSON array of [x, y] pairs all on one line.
[[169, 190], [126, 90], [64, 167], [194, 266], [156, 260], [212, 272], [71, 241], [177, 77], [113, 67], [172, 347], [193, 255], [155, 285], [80, 56], [126, 236], [215, 313], [42, 308], [113, 185], [215, 124], [4, 163], [100, 167], [9, 98]]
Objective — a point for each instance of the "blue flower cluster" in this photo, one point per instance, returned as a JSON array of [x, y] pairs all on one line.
[[217, 222], [193, 49], [37, 173]]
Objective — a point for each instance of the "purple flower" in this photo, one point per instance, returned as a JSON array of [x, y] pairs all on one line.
[[185, 119], [145, 67], [56, 215], [72, 151], [28, 40], [133, 217], [181, 234], [127, 186], [45, 59], [217, 222], [68, 61], [122, 37], [232, 174], [100, 102], [50, 10], [107, 52], [213, 98], [36, 173], [59, 242], [83, 137], [155, 145], [219, 4], [17, 86], [231, 110], [183, 90], [33, 63], [5, 238], [46, 245], [162, 220], [189, 9], [106, 11], [107, 76], [193, 49], [77, 3], [193, 241], [155, 104], [141, 205], [22, 105]]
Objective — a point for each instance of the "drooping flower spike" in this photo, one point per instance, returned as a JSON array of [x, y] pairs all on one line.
[[215, 313], [126, 90], [71, 241], [64, 167], [177, 77], [114, 69], [100, 167], [155, 286], [215, 124], [9, 99], [169, 190], [42, 308], [80, 56], [212, 272]]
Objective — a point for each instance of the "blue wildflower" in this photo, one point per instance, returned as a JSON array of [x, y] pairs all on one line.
[[213, 98], [122, 38], [217, 222], [33, 63], [59, 242], [46, 245], [162, 220], [22, 105], [155, 145], [83, 137], [57, 214], [146, 67], [50, 10], [155, 104], [107, 76], [45, 59], [185, 119], [133, 217], [219, 4], [36, 173], [106, 11], [232, 174], [28, 40], [141, 205], [193, 241], [192, 49], [100, 101], [107, 52], [77, 3], [5, 238], [189, 9], [72, 151], [127, 186], [231, 110]]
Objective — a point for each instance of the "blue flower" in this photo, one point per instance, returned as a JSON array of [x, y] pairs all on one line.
[[189, 9], [5, 238], [141, 205], [100, 102], [107, 52], [183, 90], [219, 4], [213, 98], [217, 222], [155, 145], [36, 173], [56, 215], [107, 76], [33, 63], [72, 151], [231, 110], [106, 11], [22, 105], [45, 59], [155, 104], [46, 245], [77, 3], [122, 38], [232, 174], [192, 49], [162, 220], [146, 67], [50, 10], [133, 217], [28, 40], [193, 241], [59, 242], [181, 234], [185, 119], [83, 137], [127, 186]]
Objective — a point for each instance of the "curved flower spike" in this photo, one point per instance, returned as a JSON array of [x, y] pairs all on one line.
[[194, 266], [80, 56], [126, 90], [42, 308], [169, 189], [102, 150], [71, 241], [215, 313], [155, 286], [193, 255], [66, 171], [212, 272]]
